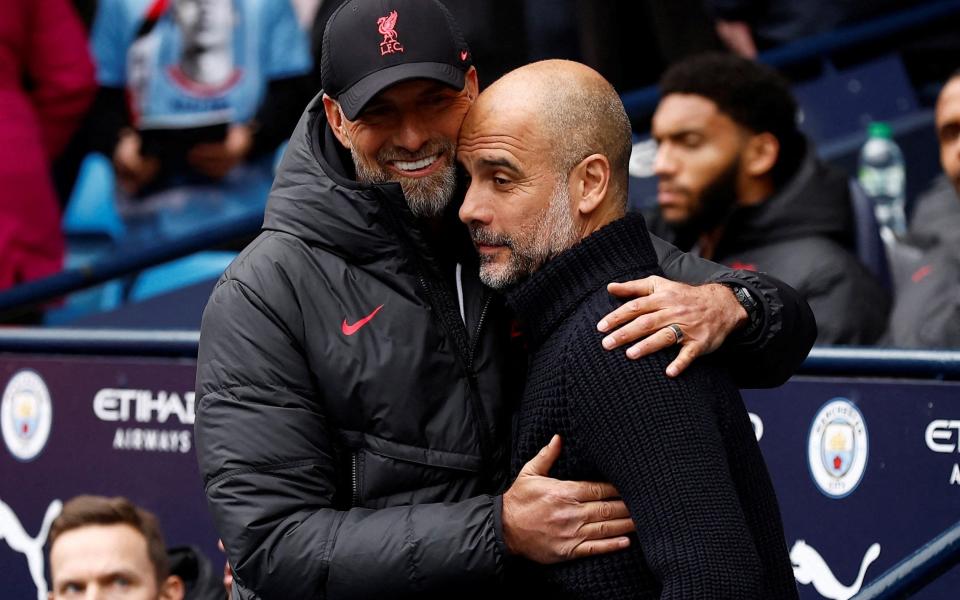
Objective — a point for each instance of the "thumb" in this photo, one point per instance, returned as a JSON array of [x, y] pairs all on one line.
[[543, 461]]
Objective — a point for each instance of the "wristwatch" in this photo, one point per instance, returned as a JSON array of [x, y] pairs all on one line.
[[749, 304]]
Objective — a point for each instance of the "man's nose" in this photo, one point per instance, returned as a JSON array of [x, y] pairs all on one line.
[[412, 133], [664, 164], [474, 208]]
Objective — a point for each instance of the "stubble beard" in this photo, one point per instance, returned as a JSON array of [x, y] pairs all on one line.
[[551, 234], [427, 197]]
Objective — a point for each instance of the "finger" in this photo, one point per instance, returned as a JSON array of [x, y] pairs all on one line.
[[664, 338], [637, 287], [683, 360], [607, 529], [628, 311], [594, 547], [605, 510], [640, 328], [588, 491], [543, 461]]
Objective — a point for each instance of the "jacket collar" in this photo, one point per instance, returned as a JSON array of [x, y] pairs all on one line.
[[616, 252]]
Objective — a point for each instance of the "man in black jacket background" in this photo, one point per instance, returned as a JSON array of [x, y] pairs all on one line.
[[355, 378], [739, 185]]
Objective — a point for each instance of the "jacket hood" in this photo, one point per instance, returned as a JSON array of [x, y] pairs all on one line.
[[316, 197], [814, 202]]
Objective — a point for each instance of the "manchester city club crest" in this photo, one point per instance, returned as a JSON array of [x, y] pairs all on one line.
[[26, 415], [837, 448]]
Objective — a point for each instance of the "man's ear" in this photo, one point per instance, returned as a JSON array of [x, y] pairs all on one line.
[[761, 154], [172, 588], [472, 84], [336, 120], [589, 183]]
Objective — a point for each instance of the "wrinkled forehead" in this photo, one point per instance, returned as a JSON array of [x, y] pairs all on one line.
[[499, 135]]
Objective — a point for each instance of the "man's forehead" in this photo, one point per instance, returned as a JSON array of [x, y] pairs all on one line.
[[499, 132], [948, 104], [689, 112]]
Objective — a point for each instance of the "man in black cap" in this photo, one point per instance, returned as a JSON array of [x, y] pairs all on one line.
[[355, 377]]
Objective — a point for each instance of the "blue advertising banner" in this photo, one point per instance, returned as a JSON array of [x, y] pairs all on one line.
[[115, 427], [866, 470]]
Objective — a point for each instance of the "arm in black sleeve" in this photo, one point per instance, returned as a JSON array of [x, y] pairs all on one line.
[[269, 463], [664, 453], [107, 117], [787, 330], [280, 111]]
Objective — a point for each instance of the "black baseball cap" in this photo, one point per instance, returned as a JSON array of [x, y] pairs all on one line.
[[369, 45]]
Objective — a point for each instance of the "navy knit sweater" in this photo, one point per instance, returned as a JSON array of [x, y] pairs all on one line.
[[681, 451]]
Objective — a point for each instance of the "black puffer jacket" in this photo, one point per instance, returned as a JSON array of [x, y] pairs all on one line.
[[350, 429], [328, 445]]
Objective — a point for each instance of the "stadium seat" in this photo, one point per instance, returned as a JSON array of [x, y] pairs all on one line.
[[91, 209], [180, 273]]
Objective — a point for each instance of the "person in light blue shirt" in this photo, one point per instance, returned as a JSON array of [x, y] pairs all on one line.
[[196, 91]]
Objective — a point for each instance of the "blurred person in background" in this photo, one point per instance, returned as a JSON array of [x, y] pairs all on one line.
[[110, 548], [46, 85], [740, 185], [196, 92], [748, 27], [926, 313]]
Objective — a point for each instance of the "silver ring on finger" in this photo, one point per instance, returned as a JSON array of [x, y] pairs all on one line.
[[677, 332]]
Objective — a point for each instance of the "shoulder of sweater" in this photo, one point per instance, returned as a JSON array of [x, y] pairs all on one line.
[[582, 351]]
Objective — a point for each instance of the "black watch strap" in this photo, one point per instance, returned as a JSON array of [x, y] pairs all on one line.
[[749, 304]]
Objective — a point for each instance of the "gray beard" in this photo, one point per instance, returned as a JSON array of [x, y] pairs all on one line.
[[427, 197], [553, 233]]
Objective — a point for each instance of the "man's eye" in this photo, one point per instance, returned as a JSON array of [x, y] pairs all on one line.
[[72, 588], [501, 180], [373, 112], [436, 100]]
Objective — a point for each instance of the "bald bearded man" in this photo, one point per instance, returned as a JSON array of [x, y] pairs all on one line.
[[547, 149]]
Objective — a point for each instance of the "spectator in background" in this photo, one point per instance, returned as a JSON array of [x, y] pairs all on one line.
[[749, 26], [46, 86], [738, 183], [213, 85], [926, 313], [102, 546]]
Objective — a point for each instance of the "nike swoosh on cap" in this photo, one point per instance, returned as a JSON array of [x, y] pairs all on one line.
[[348, 329]]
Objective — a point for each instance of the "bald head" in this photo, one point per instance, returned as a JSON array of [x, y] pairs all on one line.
[[546, 148], [574, 109], [948, 129]]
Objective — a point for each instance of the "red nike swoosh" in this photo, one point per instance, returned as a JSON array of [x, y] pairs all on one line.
[[352, 329]]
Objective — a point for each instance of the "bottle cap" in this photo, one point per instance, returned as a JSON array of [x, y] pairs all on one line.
[[879, 129]]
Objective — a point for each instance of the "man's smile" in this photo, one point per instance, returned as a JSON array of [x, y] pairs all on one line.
[[416, 168]]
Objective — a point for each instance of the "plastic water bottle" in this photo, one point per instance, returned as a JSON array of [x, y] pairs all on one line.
[[883, 177]]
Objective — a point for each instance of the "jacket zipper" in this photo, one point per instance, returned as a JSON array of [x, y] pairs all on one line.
[[355, 483], [469, 347], [476, 337]]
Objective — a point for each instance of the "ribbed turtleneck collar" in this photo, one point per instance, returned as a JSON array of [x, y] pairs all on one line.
[[541, 301]]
